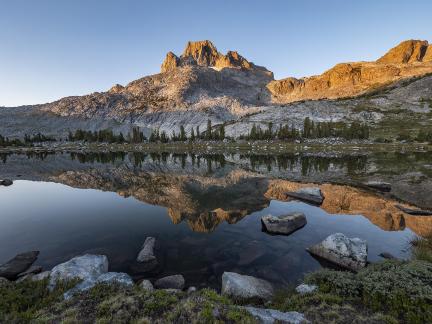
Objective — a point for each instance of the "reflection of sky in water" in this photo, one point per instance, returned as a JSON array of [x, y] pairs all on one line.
[[62, 222]]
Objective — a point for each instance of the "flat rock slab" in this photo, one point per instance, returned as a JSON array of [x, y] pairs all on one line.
[[270, 316], [349, 253], [414, 212], [284, 224], [85, 267], [30, 271], [20, 263], [147, 251], [170, 282], [245, 287], [379, 185], [312, 195]]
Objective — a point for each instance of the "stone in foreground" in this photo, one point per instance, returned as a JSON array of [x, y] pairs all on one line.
[[170, 282], [147, 251], [85, 267], [306, 289], [118, 278], [245, 287], [19, 264], [284, 224], [379, 185], [270, 316], [146, 285], [312, 195], [349, 253]]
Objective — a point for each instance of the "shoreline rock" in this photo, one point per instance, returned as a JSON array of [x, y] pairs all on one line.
[[18, 264], [85, 267], [6, 182], [414, 212], [246, 287], [284, 224], [306, 289], [147, 250], [170, 282], [270, 316], [379, 185], [349, 253]]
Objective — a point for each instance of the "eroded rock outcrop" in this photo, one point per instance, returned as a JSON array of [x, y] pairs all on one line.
[[408, 59]]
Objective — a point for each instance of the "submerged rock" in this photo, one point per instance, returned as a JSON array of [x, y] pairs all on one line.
[[245, 287], [19, 264], [284, 224], [146, 285], [170, 282], [312, 195], [6, 182], [147, 251], [306, 289], [379, 185], [387, 255], [119, 278], [270, 316], [350, 253], [85, 267]]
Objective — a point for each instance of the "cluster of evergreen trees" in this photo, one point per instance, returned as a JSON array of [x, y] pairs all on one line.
[[209, 134], [424, 136], [28, 140], [310, 130], [107, 135]]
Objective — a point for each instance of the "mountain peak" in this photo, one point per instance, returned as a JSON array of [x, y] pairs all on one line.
[[408, 51], [205, 53]]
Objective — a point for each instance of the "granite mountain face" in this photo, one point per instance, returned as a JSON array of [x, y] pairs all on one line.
[[203, 84]]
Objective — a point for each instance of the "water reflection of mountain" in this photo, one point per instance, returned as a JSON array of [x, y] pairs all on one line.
[[206, 190]]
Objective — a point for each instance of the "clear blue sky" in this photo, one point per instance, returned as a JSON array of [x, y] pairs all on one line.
[[52, 48]]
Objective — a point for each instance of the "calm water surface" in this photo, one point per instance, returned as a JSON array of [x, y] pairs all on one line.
[[185, 207]]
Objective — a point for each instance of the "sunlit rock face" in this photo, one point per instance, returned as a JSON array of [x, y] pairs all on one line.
[[409, 58]]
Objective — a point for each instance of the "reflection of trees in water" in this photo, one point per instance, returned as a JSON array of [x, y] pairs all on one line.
[[307, 163]]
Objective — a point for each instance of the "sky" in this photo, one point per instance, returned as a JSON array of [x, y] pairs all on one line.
[[51, 49]]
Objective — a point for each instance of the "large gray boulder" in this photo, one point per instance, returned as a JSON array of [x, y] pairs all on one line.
[[312, 195], [245, 287], [350, 253], [18, 264], [147, 251], [284, 224], [270, 316], [118, 278], [85, 267], [170, 282]]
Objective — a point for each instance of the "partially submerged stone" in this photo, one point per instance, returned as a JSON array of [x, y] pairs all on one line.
[[312, 195], [284, 224], [350, 253], [379, 185], [31, 271], [18, 264], [147, 251], [85, 267], [270, 316], [306, 289], [170, 282], [245, 287], [6, 182]]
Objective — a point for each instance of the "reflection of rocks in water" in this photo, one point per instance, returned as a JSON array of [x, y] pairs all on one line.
[[341, 199], [204, 202]]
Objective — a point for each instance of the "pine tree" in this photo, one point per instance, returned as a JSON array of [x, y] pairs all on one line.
[[208, 135], [192, 137]]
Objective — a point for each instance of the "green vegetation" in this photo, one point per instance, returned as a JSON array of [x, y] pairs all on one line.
[[311, 130], [28, 140]]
